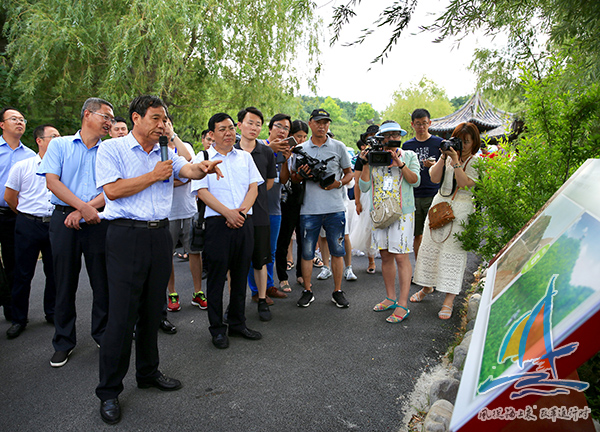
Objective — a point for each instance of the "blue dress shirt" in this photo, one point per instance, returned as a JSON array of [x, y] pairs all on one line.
[[70, 159], [9, 157], [124, 158]]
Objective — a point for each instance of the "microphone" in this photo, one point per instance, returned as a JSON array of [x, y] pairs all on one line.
[[163, 141]]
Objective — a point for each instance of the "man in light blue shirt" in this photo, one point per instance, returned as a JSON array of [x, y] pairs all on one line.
[[139, 190], [70, 169], [229, 230], [12, 151]]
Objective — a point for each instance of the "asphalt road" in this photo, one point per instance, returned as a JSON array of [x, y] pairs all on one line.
[[316, 369]]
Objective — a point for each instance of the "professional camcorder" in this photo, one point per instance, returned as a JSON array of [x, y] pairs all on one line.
[[376, 155], [317, 167], [454, 143]]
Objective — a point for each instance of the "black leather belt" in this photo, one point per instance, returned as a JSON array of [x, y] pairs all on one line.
[[44, 219], [131, 223], [64, 209], [69, 209]]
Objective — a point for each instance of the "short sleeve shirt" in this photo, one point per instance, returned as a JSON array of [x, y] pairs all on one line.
[[70, 159], [316, 199], [264, 159], [239, 172], [124, 158], [9, 157], [424, 150]]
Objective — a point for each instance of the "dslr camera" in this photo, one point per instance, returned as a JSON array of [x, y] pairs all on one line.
[[317, 167], [454, 143], [376, 155]]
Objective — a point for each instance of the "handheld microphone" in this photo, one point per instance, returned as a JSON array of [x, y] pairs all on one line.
[[163, 141]]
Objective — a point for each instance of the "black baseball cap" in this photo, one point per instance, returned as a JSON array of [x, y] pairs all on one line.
[[371, 130], [319, 114]]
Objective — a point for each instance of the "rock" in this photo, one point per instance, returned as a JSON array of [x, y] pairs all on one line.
[[444, 389], [473, 307], [460, 352], [438, 417], [471, 325]]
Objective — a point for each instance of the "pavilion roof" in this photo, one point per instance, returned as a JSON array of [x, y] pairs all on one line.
[[479, 111]]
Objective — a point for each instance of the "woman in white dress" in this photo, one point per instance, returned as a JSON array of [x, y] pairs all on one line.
[[442, 260], [394, 242]]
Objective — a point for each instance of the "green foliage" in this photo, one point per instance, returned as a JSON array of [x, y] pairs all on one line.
[[199, 56], [365, 113], [590, 372], [424, 94], [563, 131], [334, 110], [459, 101]]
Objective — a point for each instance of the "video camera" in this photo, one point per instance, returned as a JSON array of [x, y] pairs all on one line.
[[453, 142], [317, 167], [376, 155]]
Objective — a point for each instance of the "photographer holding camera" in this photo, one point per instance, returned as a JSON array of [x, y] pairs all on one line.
[[323, 204], [442, 260], [392, 173]]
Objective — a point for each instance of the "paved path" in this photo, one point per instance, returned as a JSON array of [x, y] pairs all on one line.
[[316, 369]]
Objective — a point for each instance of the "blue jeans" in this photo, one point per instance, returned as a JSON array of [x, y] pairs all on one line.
[[275, 221], [334, 225]]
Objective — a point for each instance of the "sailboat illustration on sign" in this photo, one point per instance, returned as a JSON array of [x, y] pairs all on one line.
[[529, 340]]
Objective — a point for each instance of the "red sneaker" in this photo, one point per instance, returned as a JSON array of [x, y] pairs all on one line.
[[173, 305], [199, 299]]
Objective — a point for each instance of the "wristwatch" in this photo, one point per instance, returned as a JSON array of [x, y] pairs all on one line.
[[173, 137], [341, 185]]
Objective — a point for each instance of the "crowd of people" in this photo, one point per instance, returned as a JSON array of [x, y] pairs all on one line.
[[125, 203]]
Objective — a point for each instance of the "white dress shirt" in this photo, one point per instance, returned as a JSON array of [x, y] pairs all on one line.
[[34, 196]]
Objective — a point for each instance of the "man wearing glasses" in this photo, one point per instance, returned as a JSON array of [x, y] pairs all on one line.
[[27, 195], [12, 151], [427, 148], [75, 227]]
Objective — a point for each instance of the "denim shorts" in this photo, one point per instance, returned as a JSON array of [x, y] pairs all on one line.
[[334, 225]]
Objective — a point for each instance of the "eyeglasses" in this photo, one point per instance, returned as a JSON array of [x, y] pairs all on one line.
[[106, 118], [50, 136], [16, 120], [282, 127], [391, 134], [420, 124]]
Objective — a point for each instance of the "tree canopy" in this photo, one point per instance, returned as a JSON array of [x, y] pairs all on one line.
[[196, 55]]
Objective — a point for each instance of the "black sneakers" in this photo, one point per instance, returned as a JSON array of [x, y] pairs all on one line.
[[264, 313], [306, 299], [60, 358], [339, 299]]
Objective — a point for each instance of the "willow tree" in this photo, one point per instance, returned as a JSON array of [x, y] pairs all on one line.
[[200, 56]]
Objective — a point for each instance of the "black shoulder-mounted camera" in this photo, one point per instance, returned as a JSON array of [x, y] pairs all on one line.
[[317, 167]]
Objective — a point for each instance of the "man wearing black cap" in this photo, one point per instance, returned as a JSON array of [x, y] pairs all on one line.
[[323, 204]]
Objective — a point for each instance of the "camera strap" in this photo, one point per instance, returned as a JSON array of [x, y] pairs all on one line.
[[453, 178]]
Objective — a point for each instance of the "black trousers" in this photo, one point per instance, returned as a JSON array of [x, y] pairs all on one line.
[[139, 264], [68, 245], [31, 238], [230, 250], [290, 221], [7, 243]]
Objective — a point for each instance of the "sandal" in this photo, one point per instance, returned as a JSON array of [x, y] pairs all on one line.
[[395, 319], [285, 287], [371, 270], [419, 295], [183, 256], [317, 262], [446, 312], [300, 282], [379, 307], [290, 265]]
